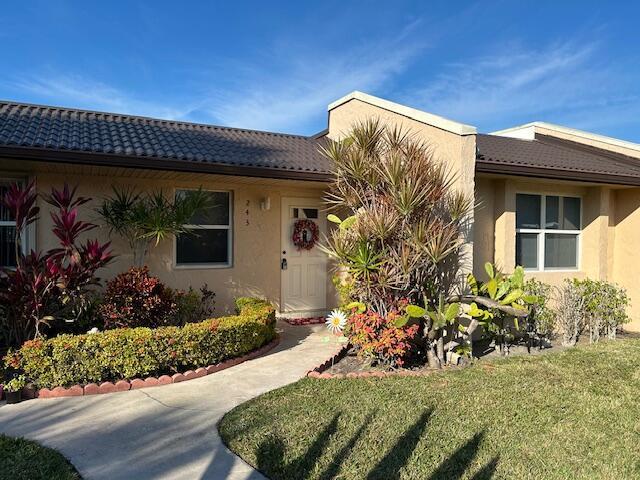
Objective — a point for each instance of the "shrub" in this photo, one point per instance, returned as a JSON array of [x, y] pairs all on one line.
[[54, 285], [543, 315], [136, 299], [243, 303], [139, 352], [569, 312], [604, 308], [379, 340], [194, 305]]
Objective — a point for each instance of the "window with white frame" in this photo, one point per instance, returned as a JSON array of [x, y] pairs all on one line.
[[548, 231], [7, 232], [209, 242]]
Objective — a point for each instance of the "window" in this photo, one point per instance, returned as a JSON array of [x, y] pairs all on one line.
[[547, 231], [7, 233], [305, 213], [210, 242]]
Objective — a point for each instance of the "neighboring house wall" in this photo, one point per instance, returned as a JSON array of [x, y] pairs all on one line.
[[598, 141], [626, 251], [530, 131], [608, 242], [256, 235], [454, 143]]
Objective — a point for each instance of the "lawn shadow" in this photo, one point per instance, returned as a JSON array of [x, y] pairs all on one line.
[[487, 472], [270, 454], [334, 467], [389, 467], [456, 465]]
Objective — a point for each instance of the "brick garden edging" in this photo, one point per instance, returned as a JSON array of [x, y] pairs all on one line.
[[137, 383], [318, 372], [321, 370]]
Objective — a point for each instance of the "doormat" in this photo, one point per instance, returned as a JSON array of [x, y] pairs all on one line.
[[305, 321]]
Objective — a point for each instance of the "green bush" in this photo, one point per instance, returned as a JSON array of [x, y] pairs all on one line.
[[194, 306], [243, 303], [139, 352], [604, 307], [543, 315]]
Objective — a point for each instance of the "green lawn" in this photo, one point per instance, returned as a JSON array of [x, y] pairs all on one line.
[[568, 415], [22, 459]]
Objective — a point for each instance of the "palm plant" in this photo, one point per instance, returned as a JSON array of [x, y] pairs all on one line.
[[147, 219], [400, 244], [404, 233]]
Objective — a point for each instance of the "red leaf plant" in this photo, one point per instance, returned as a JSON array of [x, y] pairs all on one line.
[[377, 339], [56, 284]]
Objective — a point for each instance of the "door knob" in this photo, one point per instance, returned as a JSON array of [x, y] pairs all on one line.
[[283, 264]]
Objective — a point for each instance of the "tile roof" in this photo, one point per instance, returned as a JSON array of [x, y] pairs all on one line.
[[554, 158], [153, 143], [39, 132]]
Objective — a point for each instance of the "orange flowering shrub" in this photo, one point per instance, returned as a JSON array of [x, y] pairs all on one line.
[[378, 339]]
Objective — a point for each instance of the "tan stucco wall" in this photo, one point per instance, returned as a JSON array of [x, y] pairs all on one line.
[[256, 234], [626, 252], [609, 239], [458, 152]]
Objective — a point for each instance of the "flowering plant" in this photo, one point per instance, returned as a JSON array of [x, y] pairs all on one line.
[[16, 384], [336, 321], [378, 339]]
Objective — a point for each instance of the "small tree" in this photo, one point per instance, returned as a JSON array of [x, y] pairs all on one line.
[[401, 240], [144, 220]]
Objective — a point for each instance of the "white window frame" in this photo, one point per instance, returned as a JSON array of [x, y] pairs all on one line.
[[542, 231], [28, 234], [196, 266]]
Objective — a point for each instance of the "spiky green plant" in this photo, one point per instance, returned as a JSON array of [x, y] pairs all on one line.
[[403, 235], [146, 219], [406, 219]]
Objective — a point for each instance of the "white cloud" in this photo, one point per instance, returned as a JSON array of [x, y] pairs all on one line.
[[82, 92], [305, 83], [286, 92], [561, 83]]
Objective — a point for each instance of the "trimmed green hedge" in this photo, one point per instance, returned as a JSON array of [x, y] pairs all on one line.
[[129, 353]]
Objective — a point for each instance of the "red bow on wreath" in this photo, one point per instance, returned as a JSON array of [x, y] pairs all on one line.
[[305, 234]]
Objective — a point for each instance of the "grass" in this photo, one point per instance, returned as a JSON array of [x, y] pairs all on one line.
[[22, 459], [574, 414]]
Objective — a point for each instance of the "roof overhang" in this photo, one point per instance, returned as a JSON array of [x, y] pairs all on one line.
[[553, 174], [154, 163]]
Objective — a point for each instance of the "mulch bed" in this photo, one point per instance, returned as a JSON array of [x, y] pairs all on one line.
[[304, 321], [349, 363]]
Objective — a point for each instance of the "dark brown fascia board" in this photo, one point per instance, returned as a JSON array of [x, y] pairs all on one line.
[[554, 174], [161, 164]]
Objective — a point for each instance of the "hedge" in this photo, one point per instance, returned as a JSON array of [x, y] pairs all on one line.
[[129, 353]]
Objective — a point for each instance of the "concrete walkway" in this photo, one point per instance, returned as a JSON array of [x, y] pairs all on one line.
[[165, 432]]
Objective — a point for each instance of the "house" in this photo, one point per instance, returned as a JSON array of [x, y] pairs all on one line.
[[561, 202]]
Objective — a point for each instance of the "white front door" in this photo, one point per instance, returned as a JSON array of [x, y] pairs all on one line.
[[303, 272]]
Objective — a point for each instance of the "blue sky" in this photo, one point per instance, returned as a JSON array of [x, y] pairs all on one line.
[[276, 65]]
